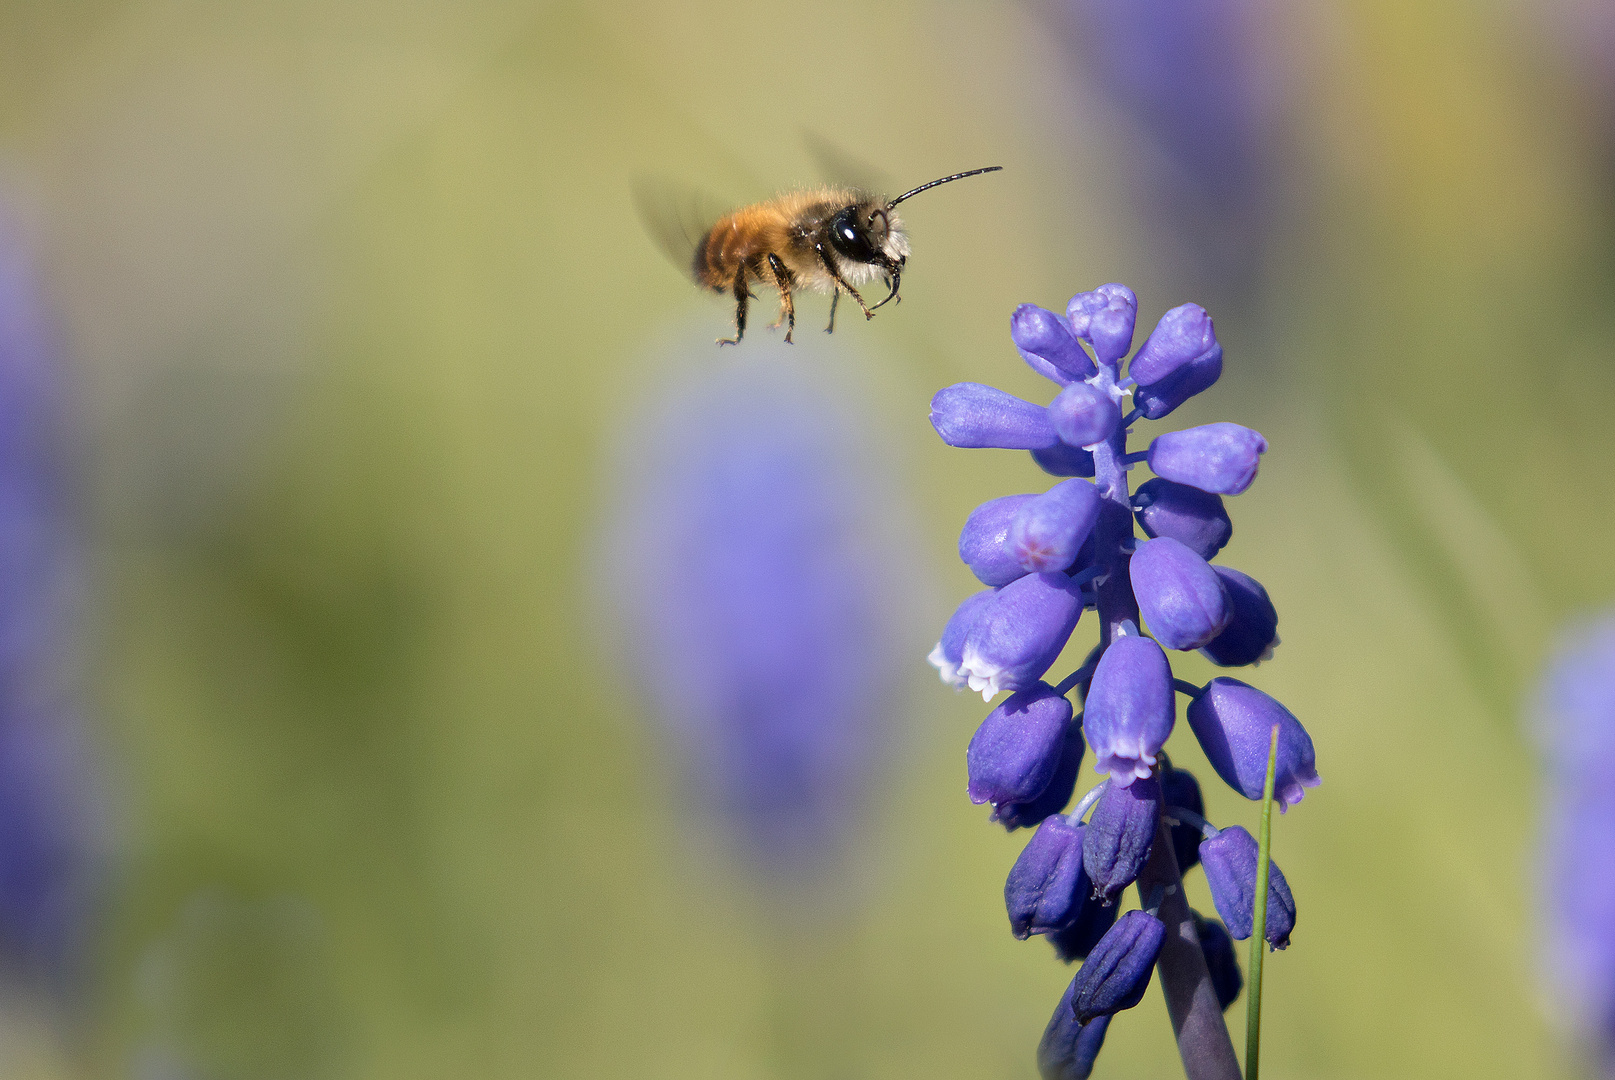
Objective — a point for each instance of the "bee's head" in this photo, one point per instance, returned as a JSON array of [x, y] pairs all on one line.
[[869, 233]]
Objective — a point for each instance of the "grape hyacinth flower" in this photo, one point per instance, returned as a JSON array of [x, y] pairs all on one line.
[[1045, 558]]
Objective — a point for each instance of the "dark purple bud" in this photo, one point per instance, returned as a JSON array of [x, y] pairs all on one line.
[[1084, 415], [1182, 790], [1063, 460], [1042, 335], [1046, 886], [1048, 530], [1120, 834], [972, 415], [1218, 948], [982, 545], [1181, 598], [1229, 859], [949, 651], [1194, 518], [1019, 632], [1234, 722], [1056, 796], [1104, 319], [1117, 972], [1076, 941], [1069, 1049], [1198, 375], [1219, 458], [1130, 708], [1252, 633], [1013, 755], [1183, 335]]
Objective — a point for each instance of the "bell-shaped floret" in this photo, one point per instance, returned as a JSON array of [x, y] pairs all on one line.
[[973, 415], [1084, 415], [1182, 599], [1196, 519], [949, 651], [1219, 458], [1234, 722], [1045, 341], [1160, 399], [982, 542], [1104, 318], [1253, 632], [1117, 972], [1019, 632], [1046, 886], [1184, 334], [1014, 753], [1130, 708], [1056, 796], [1230, 859], [1120, 835], [1048, 529]]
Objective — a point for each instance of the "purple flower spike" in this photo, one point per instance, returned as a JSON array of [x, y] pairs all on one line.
[[950, 651], [1230, 862], [972, 415], [1104, 319], [1055, 797], [982, 542], [1048, 530], [1194, 518], [1218, 948], [1181, 597], [1063, 460], [1046, 886], [1252, 634], [1183, 335], [1179, 788], [1233, 722], [1069, 1049], [1041, 335], [1120, 836], [1159, 399], [1094, 920], [1019, 633], [1220, 458], [1084, 415], [1117, 972], [1130, 708], [1014, 753]]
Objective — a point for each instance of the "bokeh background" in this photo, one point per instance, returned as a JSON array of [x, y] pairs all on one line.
[[362, 353]]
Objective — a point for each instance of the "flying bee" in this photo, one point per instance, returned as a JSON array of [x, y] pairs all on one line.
[[827, 239]]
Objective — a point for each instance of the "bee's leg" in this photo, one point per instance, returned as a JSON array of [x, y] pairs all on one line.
[[835, 298], [894, 281], [783, 280], [741, 294], [835, 275]]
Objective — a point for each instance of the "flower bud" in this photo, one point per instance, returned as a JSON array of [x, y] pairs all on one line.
[[1229, 859], [1068, 1049], [1117, 972], [1218, 949], [1181, 598], [1048, 530], [1194, 518], [1184, 334], [1179, 788], [1130, 708], [1220, 458], [1120, 835], [1104, 319], [1056, 796], [1083, 415], [1013, 755], [1234, 722], [949, 651], [973, 415], [1160, 399], [1042, 335], [1252, 633], [1019, 632], [1046, 886], [1063, 460], [982, 544]]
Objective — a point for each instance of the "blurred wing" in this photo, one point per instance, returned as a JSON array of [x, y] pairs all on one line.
[[675, 216], [842, 168]]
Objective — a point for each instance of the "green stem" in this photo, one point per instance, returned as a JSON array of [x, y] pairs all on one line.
[[1253, 1000]]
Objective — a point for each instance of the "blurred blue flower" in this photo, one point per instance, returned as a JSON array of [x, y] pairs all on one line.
[[761, 584]]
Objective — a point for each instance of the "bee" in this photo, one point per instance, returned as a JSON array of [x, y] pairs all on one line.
[[829, 239]]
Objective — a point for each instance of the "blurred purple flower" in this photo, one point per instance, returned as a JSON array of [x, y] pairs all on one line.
[[759, 585]]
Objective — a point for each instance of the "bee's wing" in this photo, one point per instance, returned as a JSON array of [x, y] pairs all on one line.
[[842, 168], [676, 216]]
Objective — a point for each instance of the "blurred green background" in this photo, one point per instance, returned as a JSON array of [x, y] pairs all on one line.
[[357, 307]]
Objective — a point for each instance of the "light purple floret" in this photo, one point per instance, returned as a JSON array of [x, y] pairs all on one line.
[[1014, 753], [1183, 334], [972, 415], [1130, 708], [983, 542], [1019, 632], [1183, 601], [949, 651], [1084, 415], [1219, 458], [1104, 318], [1233, 722], [1048, 530], [1045, 342]]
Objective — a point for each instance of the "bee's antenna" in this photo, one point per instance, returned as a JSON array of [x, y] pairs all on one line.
[[944, 180]]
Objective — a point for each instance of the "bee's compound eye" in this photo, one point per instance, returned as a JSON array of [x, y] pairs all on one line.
[[849, 237]]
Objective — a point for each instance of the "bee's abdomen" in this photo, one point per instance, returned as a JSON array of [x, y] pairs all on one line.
[[730, 247]]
